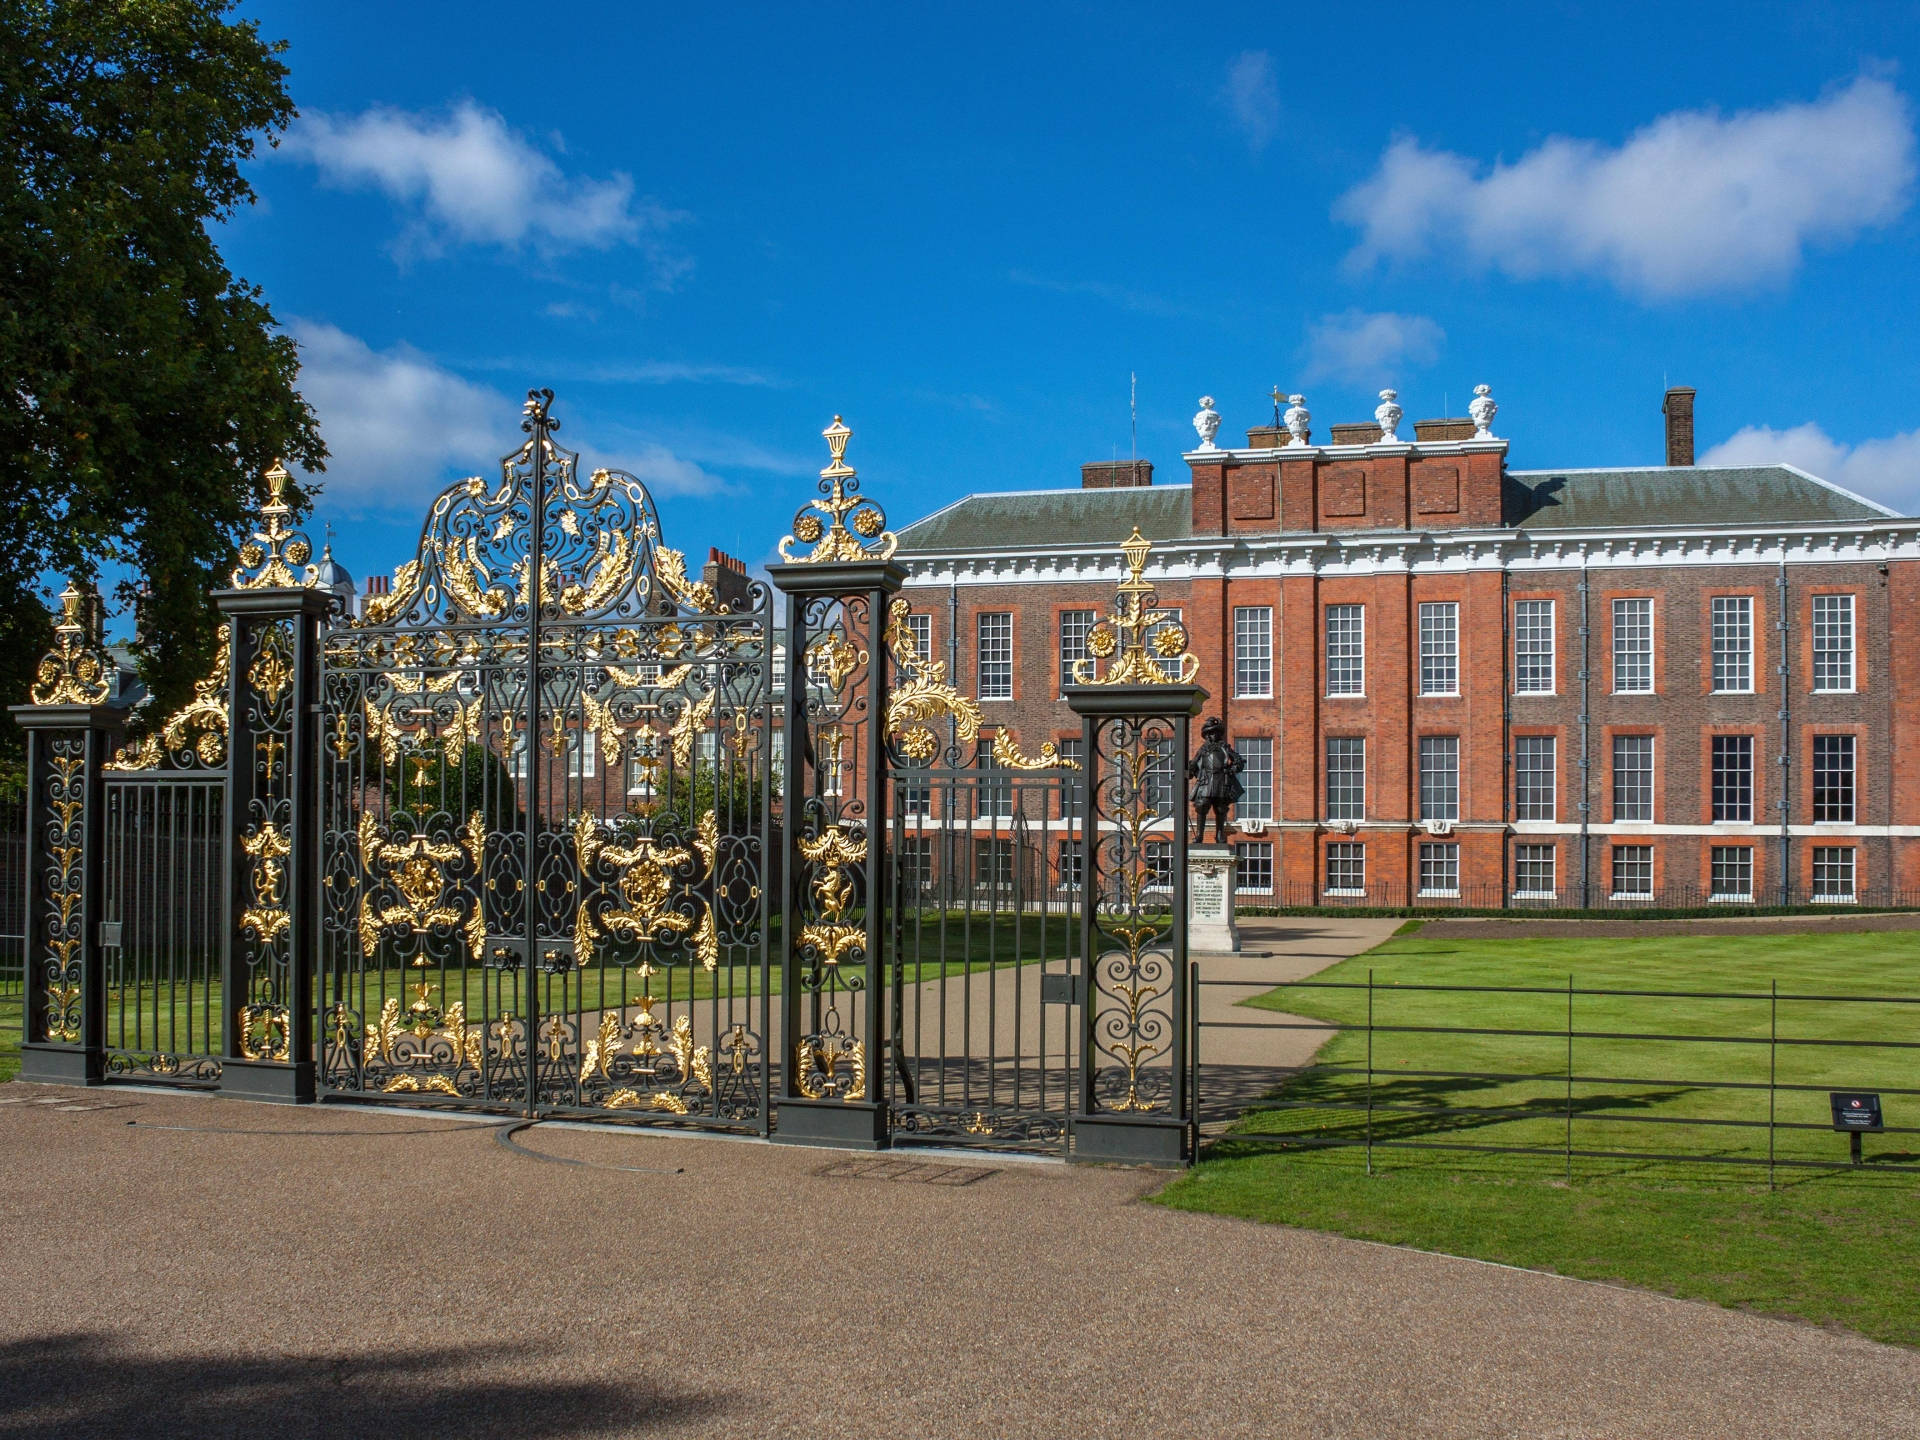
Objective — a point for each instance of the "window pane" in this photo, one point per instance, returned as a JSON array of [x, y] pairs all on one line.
[[1534, 758], [1633, 870], [1346, 868], [1632, 646], [1346, 778], [1833, 779], [920, 631], [1067, 870], [1346, 650], [1833, 872], [1257, 778], [1439, 777], [1633, 777], [1074, 625], [1440, 869], [996, 657], [1168, 617], [1533, 871], [1833, 642], [1253, 869], [1733, 642], [1733, 778], [1253, 651], [1440, 648], [1733, 872], [1533, 647]]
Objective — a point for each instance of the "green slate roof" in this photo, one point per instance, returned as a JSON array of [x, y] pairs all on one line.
[[1678, 495], [1014, 518], [1536, 500]]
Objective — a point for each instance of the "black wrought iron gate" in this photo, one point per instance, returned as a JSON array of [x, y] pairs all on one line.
[[554, 827], [545, 799]]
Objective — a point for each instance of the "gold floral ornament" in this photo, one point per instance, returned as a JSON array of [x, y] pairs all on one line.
[[1134, 627], [77, 671], [268, 557], [836, 537]]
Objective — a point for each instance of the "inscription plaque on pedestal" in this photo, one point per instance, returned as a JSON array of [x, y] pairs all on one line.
[[1210, 923]]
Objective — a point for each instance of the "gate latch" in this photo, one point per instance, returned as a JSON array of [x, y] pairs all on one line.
[[110, 934], [1060, 990]]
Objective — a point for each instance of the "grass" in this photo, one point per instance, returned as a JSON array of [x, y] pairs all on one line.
[[1825, 1246], [185, 1017]]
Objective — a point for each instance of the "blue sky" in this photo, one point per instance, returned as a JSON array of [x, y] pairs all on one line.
[[711, 228]]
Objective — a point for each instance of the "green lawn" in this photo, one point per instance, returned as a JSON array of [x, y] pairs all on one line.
[[182, 1017], [1832, 1247]]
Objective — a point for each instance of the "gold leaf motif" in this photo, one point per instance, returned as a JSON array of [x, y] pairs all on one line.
[[269, 557], [76, 671], [1125, 632]]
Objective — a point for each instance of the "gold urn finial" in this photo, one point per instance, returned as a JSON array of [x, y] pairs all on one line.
[[272, 554], [854, 527], [76, 671], [1134, 627]]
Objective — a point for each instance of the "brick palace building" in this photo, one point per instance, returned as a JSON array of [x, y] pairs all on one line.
[[1471, 684]]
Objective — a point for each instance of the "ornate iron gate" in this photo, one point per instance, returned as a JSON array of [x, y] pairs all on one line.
[[527, 833], [545, 807]]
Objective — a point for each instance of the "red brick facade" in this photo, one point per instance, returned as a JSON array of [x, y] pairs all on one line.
[[1286, 531]]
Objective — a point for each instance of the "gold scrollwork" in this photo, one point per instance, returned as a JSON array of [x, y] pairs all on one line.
[[66, 790], [265, 1032], [818, 1074], [417, 869], [833, 658], [77, 671], [832, 541], [670, 567], [1126, 629], [645, 883], [268, 847], [201, 723], [268, 557], [833, 853], [272, 669]]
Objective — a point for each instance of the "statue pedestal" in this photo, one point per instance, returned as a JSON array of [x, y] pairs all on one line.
[[1210, 925]]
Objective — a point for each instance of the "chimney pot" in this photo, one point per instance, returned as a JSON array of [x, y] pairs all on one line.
[[1678, 408]]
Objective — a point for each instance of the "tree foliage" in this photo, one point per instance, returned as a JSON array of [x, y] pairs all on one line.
[[145, 388], [477, 780]]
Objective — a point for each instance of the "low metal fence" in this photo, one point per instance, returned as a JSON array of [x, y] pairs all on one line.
[[1721, 1077]]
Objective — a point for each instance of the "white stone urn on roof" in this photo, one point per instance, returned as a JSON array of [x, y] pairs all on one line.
[[1388, 413], [1207, 422], [1298, 420], [1483, 408]]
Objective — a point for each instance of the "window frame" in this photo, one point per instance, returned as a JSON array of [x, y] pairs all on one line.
[[1441, 799], [1533, 746], [1722, 791], [1851, 652], [1436, 655], [1642, 652], [1345, 657], [1525, 670], [1648, 786], [1352, 761], [1744, 607], [1835, 742], [1252, 630], [1351, 853], [980, 662], [1072, 647], [1249, 746], [1445, 858]]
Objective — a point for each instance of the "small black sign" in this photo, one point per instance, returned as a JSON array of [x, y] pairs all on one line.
[[1855, 1111]]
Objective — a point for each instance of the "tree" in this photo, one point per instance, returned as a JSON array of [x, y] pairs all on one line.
[[143, 388]]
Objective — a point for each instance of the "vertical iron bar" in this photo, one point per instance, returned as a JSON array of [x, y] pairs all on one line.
[[1773, 1041], [1369, 1071], [1569, 1079], [873, 735], [538, 424]]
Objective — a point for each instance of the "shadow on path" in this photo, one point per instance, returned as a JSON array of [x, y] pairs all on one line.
[[92, 1385]]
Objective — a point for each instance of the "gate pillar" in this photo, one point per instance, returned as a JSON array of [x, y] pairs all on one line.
[[833, 816], [272, 925], [1134, 1098], [71, 734]]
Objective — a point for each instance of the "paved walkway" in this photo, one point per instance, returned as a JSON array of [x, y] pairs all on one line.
[[188, 1266]]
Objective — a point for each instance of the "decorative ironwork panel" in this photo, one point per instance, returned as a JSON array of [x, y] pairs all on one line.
[[263, 1010], [1137, 763], [63, 848], [547, 793]]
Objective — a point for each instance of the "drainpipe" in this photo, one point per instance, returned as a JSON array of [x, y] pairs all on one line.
[[1586, 756], [1507, 872], [1784, 670]]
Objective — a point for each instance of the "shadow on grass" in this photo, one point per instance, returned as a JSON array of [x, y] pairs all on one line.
[[89, 1384], [1316, 1108]]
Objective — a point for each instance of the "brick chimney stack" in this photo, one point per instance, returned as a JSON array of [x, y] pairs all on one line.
[[1116, 474], [1678, 408], [726, 576]]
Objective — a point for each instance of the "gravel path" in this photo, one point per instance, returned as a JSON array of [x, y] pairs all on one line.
[[343, 1272]]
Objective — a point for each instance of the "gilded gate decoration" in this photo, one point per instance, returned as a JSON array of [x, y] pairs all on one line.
[[545, 809]]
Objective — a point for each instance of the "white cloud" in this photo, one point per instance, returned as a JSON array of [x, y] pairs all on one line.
[[1253, 98], [396, 423], [400, 426], [1371, 348], [1887, 470], [465, 177], [1693, 203]]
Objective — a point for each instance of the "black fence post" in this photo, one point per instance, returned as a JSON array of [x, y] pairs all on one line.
[[71, 734]]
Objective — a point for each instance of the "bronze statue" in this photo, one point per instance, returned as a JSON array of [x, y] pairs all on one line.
[[1215, 771]]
